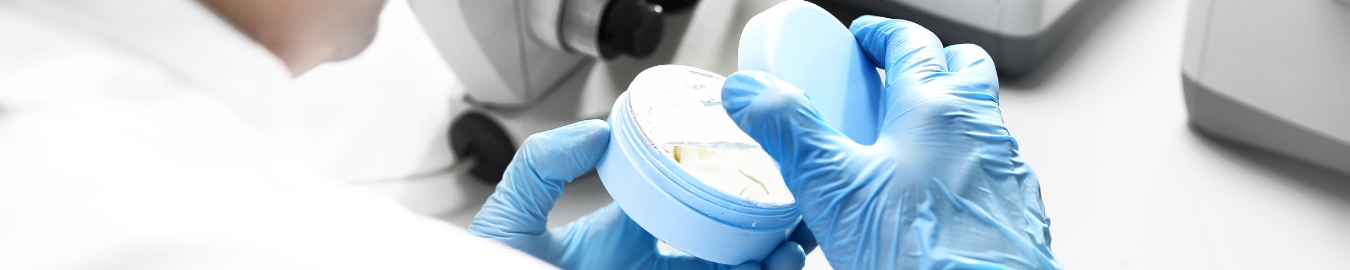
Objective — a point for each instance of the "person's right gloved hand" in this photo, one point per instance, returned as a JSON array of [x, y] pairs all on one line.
[[517, 212], [943, 187]]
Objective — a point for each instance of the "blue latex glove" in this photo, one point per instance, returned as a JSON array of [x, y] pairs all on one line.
[[517, 212], [943, 187]]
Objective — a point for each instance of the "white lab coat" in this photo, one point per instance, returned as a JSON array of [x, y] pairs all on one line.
[[149, 134]]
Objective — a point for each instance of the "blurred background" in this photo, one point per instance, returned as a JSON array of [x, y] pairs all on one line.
[[1164, 134]]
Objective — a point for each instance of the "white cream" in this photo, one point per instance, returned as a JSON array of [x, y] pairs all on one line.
[[748, 174], [682, 115]]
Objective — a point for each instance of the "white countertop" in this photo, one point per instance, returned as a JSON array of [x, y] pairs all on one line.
[[1126, 182]]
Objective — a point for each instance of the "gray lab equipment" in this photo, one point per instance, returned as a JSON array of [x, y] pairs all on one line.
[[1017, 34], [1272, 74], [512, 54]]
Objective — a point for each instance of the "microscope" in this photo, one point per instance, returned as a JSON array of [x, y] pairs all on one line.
[[525, 65]]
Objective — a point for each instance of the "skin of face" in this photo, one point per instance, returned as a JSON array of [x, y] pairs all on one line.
[[304, 33]]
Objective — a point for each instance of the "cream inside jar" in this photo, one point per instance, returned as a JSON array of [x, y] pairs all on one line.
[[687, 122]]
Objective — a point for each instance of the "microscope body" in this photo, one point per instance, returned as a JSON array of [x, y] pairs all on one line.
[[513, 55]]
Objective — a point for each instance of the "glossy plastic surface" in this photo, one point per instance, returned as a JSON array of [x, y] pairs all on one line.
[[804, 45]]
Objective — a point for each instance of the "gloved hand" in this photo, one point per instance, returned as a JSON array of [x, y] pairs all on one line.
[[943, 187], [517, 212]]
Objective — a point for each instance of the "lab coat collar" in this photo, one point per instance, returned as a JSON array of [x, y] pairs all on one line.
[[197, 48], [189, 39]]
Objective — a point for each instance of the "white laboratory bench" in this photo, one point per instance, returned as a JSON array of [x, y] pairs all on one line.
[[1127, 183]]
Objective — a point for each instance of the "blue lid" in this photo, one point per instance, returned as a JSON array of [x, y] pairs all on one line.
[[804, 45]]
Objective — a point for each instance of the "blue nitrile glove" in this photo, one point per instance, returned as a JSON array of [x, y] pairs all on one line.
[[943, 187], [517, 213]]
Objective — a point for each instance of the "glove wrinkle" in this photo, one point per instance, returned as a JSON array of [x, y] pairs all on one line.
[[943, 186]]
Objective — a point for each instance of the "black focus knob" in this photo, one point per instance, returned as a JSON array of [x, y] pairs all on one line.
[[629, 27], [476, 135]]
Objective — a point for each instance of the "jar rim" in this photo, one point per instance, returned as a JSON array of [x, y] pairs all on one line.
[[683, 186]]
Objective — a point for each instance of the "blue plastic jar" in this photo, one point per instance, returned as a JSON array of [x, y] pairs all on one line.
[[667, 200]]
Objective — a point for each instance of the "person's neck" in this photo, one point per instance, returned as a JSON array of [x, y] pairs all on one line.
[[270, 26]]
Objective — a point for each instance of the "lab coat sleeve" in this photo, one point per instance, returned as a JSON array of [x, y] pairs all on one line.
[[113, 168], [71, 198], [74, 195]]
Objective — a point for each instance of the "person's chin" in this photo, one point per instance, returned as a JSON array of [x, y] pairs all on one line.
[[356, 45]]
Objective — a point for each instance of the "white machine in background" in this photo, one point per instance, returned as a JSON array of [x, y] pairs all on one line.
[[1016, 33], [523, 64], [1272, 74]]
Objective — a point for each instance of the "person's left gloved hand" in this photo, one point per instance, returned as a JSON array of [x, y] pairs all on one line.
[[517, 212]]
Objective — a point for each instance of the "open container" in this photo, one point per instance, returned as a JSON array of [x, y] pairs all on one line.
[[679, 105]]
